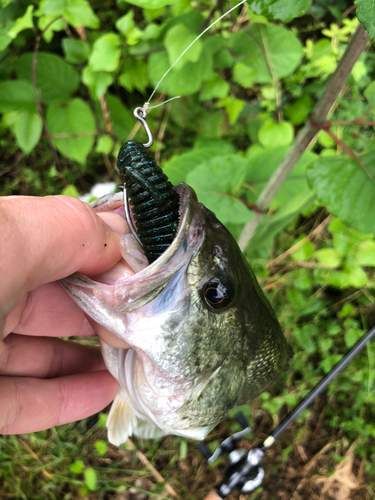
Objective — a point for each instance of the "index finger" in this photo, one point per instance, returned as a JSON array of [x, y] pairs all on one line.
[[46, 239]]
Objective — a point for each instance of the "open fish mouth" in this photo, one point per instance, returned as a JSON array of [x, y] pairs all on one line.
[[132, 291]]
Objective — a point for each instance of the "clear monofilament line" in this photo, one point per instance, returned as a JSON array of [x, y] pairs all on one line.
[[146, 105], [162, 103]]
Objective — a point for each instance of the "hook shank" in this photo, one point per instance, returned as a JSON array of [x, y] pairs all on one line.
[[141, 115]]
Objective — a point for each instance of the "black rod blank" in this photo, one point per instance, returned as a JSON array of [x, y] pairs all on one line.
[[319, 388]]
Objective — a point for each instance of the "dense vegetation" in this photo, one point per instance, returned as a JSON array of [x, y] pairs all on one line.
[[71, 74]]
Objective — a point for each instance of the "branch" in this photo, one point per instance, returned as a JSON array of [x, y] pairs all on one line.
[[356, 46]]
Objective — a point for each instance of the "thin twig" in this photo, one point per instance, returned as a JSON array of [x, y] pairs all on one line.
[[110, 168], [142, 458], [27, 447], [297, 245], [358, 121], [241, 19], [354, 49], [106, 116]]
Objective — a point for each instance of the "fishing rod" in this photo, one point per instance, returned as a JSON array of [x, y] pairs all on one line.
[[244, 472]]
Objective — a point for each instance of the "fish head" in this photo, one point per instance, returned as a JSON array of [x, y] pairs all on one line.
[[202, 336]]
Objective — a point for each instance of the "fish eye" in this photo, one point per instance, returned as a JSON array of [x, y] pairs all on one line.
[[217, 294]]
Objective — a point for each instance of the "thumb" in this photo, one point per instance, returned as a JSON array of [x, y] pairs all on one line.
[[46, 239]]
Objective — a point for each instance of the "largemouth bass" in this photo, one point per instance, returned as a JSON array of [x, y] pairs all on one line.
[[201, 337]]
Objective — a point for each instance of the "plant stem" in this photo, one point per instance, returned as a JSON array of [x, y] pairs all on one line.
[[319, 114]]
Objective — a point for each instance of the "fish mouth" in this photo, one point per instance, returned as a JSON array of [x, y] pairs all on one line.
[[107, 302]]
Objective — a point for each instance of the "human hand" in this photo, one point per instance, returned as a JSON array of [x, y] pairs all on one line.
[[46, 381]]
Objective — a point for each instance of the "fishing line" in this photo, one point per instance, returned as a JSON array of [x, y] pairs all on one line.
[[146, 105]]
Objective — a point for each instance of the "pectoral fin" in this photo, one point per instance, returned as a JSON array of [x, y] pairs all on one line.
[[121, 421]]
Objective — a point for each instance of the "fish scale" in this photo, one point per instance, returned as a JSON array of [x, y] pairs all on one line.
[[154, 202]]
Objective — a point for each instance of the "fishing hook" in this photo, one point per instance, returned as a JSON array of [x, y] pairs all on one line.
[[128, 217], [141, 115]]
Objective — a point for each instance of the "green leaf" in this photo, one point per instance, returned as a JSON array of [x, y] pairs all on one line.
[[125, 23], [299, 111], [365, 254], [5, 40], [233, 107], [152, 4], [104, 145], [346, 188], [28, 130], [76, 51], [270, 226], [90, 479], [283, 10], [244, 75], [186, 81], [356, 276], [17, 95], [122, 119], [97, 81], [345, 239], [275, 134], [352, 336], [50, 24], [128, 28], [215, 180], [77, 467], [134, 74], [304, 252], [22, 23], [79, 13], [328, 257], [369, 93], [53, 7], [56, 79], [215, 88], [106, 53], [101, 447], [283, 49], [263, 164], [178, 167], [365, 14], [75, 118], [71, 190], [177, 40], [5, 3]]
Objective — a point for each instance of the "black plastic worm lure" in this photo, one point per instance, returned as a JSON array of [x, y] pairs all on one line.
[[154, 203]]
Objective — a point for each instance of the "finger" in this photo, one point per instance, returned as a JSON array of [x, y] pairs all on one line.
[[45, 239], [50, 312], [43, 357], [30, 404]]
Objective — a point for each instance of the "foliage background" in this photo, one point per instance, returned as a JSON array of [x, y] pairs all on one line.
[[71, 73]]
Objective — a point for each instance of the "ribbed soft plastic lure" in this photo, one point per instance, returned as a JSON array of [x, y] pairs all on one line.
[[154, 202]]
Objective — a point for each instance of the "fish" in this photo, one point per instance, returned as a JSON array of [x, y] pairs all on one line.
[[201, 337]]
